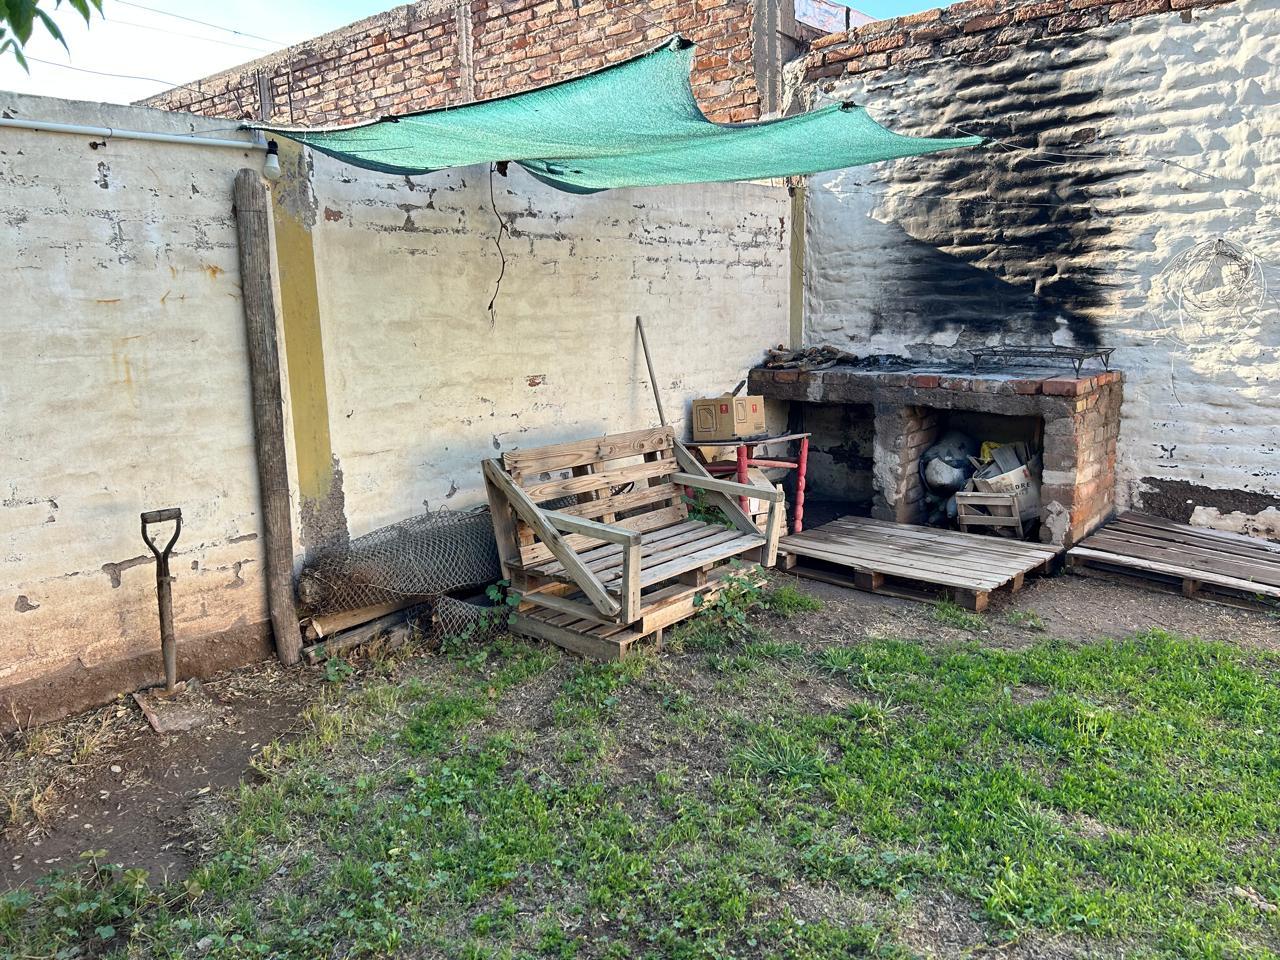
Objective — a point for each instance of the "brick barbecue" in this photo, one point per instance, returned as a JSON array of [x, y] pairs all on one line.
[[908, 407]]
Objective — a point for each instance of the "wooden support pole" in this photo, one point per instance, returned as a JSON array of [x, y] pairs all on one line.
[[252, 209]]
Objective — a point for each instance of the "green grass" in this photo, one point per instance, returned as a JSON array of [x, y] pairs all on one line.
[[951, 614], [512, 802]]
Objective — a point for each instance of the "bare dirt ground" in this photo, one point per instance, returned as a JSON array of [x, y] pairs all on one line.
[[105, 780]]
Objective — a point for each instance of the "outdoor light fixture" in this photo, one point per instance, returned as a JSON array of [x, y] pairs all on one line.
[[271, 168]]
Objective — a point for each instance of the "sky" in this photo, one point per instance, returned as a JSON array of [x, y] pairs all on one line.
[[142, 39]]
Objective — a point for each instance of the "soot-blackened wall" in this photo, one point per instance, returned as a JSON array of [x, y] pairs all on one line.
[[1126, 134]]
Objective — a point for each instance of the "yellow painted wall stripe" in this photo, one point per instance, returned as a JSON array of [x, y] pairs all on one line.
[[303, 345]]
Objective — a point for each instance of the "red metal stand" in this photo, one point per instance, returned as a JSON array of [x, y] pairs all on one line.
[[746, 459]]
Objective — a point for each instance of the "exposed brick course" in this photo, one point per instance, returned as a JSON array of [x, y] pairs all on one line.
[[415, 58], [950, 32]]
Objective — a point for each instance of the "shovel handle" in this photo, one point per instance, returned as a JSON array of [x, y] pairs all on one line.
[[162, 516]]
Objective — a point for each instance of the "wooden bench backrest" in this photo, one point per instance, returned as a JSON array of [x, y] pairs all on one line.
[[623, 478]]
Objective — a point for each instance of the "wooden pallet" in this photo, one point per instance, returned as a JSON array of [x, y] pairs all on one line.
[[602, 640], [1160, 553], [903, 560]]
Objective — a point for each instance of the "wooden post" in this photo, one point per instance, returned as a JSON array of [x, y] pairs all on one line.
[[252, 208]]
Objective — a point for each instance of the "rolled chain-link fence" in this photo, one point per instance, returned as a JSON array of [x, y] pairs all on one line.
[[426, 557]]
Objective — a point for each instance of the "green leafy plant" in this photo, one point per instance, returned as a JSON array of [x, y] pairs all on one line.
[[18, 19], [743, 591], [701, 509], [336, 670]]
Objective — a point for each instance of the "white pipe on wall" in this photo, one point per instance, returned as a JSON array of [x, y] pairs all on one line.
[[110, 133]]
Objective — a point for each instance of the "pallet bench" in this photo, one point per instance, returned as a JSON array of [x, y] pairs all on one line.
[[595, 537]]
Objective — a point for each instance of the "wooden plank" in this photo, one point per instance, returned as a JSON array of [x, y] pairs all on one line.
[[504, 529], [944, 577], [981, 550], [628, 584], [1194, 558], [609, 556], [538, 553], [877, 584], [936, 535], [317, 628], [622, 502], [530, 514], [588, 646], [721, 551], [1258, 550], [907, 531], [737, 516], [671, 551], [987, 520], [610, 533], [938, 559], [563, 456], [1225, 537], [770, 494], [1148, 580], [1174, 570], [966, 498], [569, 609], [601, 480], [978, 551], [252, 207]]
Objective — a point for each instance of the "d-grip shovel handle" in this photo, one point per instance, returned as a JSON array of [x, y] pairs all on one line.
[[162, 516]]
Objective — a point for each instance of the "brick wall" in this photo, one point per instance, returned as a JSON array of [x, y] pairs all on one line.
[[435, 54], [974, 32]]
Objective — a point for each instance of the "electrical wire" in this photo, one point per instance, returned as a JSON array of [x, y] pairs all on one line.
[[193, 36], [203, 23], [117, 76]]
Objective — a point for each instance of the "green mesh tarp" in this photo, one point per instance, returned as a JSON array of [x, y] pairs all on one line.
[[631, 125]]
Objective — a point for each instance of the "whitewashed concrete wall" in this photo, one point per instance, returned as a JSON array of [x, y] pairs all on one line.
[[1069, 243], [122, 389], [124, 383], [424, 383]]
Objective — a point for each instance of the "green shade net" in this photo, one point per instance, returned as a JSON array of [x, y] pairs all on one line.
[[635, 124]]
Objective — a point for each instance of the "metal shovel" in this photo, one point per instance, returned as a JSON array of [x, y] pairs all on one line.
[[164, 590]]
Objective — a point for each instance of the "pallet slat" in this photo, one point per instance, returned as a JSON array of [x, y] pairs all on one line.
[[1246, 570], [917, 559], [661, 608]]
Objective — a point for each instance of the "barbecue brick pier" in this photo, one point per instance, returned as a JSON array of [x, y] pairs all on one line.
[[1077, 418]]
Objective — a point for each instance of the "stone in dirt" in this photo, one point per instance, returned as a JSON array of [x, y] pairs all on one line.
[[185, 710]]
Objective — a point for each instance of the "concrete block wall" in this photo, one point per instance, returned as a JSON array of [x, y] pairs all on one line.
[[440, 53], [1129, 134], [125, 386]]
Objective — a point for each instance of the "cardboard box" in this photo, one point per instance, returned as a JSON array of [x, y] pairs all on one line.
[[1022, 484], [728, 418]]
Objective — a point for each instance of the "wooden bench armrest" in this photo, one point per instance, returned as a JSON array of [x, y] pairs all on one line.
[[716, 495], [769, 494], [535, 517], [611, 533]]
